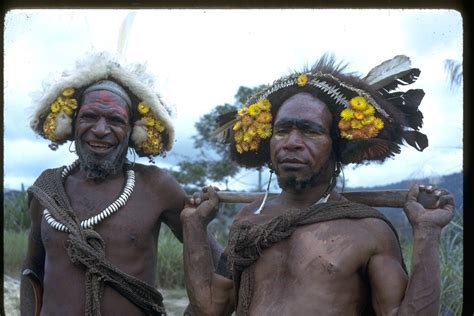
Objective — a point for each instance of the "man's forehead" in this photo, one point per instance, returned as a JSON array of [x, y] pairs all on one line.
[[303, 106], [104, 99]]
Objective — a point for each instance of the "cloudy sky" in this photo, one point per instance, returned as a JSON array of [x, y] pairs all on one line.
[[201, 57]]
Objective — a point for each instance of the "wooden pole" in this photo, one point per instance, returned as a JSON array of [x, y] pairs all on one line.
[[387, 198]]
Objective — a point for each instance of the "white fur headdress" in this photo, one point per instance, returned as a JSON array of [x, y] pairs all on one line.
[[153, 132]]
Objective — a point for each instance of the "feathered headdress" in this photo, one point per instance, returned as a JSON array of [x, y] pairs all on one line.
[[371, 118], [153, 132]]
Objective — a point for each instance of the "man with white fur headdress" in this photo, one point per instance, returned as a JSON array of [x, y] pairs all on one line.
[[92, 246]]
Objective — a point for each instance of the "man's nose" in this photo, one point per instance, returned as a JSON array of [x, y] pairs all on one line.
[[294, 141], [101, 128]]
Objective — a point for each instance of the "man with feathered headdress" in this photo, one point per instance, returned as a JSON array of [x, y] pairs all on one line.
[[309, 251], [92, 246]]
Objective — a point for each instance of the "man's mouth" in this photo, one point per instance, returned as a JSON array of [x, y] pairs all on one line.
[[99, 147], [291, 164], [291, 161]]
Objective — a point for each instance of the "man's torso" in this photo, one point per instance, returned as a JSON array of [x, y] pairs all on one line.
[[130, 237]]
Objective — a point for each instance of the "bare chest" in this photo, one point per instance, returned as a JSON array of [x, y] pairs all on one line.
[[324, 253]]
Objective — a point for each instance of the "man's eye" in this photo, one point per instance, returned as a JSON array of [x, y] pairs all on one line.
[[311, 133], [117, 120], [280, 132], [88, 116]]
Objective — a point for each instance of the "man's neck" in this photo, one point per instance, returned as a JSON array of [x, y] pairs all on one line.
[[83, 175], [303, 198]]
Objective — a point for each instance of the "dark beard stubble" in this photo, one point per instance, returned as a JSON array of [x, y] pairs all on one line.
[[99, 169]]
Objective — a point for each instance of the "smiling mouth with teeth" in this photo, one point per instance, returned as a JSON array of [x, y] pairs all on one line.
[[99, 146]]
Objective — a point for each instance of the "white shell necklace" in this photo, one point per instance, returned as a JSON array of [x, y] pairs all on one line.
[[112, 208]]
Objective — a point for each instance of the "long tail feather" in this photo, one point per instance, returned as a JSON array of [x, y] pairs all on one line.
[[387, 71]]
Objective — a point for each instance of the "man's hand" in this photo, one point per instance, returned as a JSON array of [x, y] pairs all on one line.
[[202, 206], [429, 206]]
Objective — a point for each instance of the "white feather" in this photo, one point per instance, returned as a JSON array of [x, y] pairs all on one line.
[[387, 71], [124, 34]]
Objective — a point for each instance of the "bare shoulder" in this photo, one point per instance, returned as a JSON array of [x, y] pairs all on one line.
[[155, 176], [247, 212], [381, 233]]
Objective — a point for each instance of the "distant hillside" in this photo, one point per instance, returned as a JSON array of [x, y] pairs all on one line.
[[453, 183]]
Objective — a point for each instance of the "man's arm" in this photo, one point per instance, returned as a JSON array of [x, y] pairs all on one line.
[[208, 292], [421, 296], [34, 261]]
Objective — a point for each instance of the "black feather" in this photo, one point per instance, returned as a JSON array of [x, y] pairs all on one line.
[[404, 78], [225, 122], [416, 139], [357, 151]]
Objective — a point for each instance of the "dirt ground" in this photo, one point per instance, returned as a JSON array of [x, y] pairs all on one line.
[[175, 300]]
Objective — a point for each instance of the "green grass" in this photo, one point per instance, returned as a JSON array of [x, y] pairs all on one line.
[[451, 265], [14, 251], [169, 269]]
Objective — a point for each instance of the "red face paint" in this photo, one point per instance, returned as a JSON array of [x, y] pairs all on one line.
[[105, 100]]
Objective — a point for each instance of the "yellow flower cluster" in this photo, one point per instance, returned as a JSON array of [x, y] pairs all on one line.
[[254, 124], [153, 144], [359, 121], [65, 103]]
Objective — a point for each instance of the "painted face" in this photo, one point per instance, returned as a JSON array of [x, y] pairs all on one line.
[[301, 143], [102, 130]]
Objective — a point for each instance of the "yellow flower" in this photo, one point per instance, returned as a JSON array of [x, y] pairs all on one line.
[[358, 115], [246, 120], [61, 101], [149, 121], [243, 111], [264, 130], [159, 126], [237, 126], [264, 104], [371, 131], [347, 114], [358, 133], [346, 135], [49, 127], [67, 110], [239, 136], [252, 130], [248, 137], [378, 123], [253, 145], [55, 107], [368, 120], [302, 80], [359, 103], [245, 146], [370, 110], [142, 108], [356, 124], [71, 103], [344, 125], [239, 148], [264, 117], [254, 110], [68, 92]]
